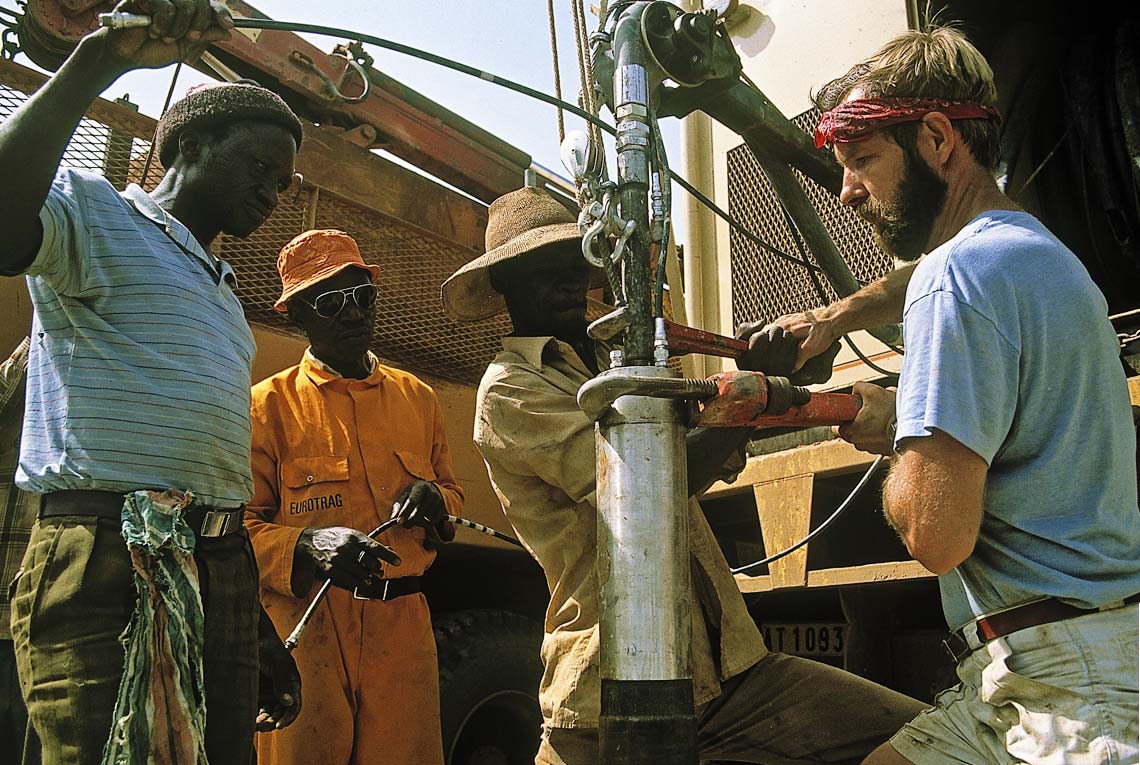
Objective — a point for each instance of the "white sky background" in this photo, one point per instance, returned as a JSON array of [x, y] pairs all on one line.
[[509, 38]]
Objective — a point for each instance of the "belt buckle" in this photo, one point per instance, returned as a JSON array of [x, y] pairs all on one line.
[[383, 592], [957, 646], [218, 523]]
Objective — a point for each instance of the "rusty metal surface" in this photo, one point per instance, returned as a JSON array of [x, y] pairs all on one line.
[[743, 399]]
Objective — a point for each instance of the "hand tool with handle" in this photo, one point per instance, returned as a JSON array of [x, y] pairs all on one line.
[[295, 635], [744, 398]]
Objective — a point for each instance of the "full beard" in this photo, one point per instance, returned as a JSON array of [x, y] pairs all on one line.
[[904, 224]]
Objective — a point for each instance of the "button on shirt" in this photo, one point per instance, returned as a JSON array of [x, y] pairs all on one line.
[[140, 359], [540, 453], [336, 451]]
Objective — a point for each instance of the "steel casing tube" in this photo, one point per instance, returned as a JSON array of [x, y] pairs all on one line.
[[643, 567]]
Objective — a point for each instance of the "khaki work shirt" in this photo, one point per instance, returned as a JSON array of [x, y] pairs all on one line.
[[539, 450]]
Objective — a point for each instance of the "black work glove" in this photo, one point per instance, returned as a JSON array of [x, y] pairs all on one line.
[[279, 684], [421, 504], [344, 556], [773, 350]]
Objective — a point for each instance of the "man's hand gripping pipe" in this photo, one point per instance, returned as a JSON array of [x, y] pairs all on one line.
[[295, 635]]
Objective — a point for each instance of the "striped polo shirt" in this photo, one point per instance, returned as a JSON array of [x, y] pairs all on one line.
[[139, 371]]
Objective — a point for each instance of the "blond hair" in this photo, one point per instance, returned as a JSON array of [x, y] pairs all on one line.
[[938, 62]]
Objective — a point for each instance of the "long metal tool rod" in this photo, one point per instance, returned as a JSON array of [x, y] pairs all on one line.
[[295, 635], [647, 714]]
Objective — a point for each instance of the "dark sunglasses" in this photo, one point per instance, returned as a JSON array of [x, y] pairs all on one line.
[[329, 304]]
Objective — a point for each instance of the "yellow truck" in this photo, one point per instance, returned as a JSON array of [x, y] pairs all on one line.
[[851, 597]]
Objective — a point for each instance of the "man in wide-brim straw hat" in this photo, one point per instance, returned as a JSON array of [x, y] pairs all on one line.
[[539, 450]]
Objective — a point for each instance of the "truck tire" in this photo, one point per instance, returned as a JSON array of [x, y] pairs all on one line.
[[489, 671]]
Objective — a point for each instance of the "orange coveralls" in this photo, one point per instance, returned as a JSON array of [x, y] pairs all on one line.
[[330, 451]]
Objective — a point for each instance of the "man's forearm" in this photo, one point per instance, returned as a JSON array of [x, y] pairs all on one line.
[[33, 139], [880, 302]]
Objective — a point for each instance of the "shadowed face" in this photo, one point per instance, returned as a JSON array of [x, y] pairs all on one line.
[[242, 173], [346, 335], [545, 290]]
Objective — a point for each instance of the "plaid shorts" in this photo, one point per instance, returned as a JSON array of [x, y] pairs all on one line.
[[1059, 692]]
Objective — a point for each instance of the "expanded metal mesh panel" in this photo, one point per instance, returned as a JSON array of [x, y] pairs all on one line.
[[410, 321], [116, 149], [254, 260], [764, 286], [412, 329]]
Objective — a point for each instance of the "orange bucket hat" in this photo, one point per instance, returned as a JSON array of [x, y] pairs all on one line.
[[315, 256]]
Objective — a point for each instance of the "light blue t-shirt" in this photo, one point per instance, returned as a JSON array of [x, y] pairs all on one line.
[[139, 371], [1010, 352]]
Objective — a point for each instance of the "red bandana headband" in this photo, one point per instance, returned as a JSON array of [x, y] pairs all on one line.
[[856, 120]]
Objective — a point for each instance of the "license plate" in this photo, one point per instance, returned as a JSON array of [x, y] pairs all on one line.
[[806, 639]]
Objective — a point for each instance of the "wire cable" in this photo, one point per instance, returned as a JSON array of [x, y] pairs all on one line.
[[855, 349], [740, 227], [447, 63], [165, 106], [484, 530], [821, 527], [407, 50], [557, 74], [797, 238]]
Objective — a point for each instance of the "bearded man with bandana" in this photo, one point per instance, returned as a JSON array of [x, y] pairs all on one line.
[[1011, 373]]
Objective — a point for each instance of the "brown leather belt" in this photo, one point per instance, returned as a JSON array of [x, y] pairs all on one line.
[[389, 589], [205, 521], [1002, 623]]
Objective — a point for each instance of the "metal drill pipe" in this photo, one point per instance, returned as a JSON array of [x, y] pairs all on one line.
[[645, 630], [631, 107], [647, 713]]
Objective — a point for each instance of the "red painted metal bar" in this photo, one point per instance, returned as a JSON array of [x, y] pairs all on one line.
[[751, 398], [683, 340], [407, 123]]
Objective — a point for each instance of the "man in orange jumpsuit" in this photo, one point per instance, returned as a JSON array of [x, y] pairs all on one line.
[[342, 443]]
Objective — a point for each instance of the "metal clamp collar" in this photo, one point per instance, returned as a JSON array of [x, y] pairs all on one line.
[[596, 396]]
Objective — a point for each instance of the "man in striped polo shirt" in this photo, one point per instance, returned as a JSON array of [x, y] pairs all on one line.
[[139, 380]]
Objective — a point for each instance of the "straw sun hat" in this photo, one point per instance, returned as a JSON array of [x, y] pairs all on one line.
[[517, 223]]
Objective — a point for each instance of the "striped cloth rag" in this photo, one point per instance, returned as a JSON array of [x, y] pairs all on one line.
[[160, 713]]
